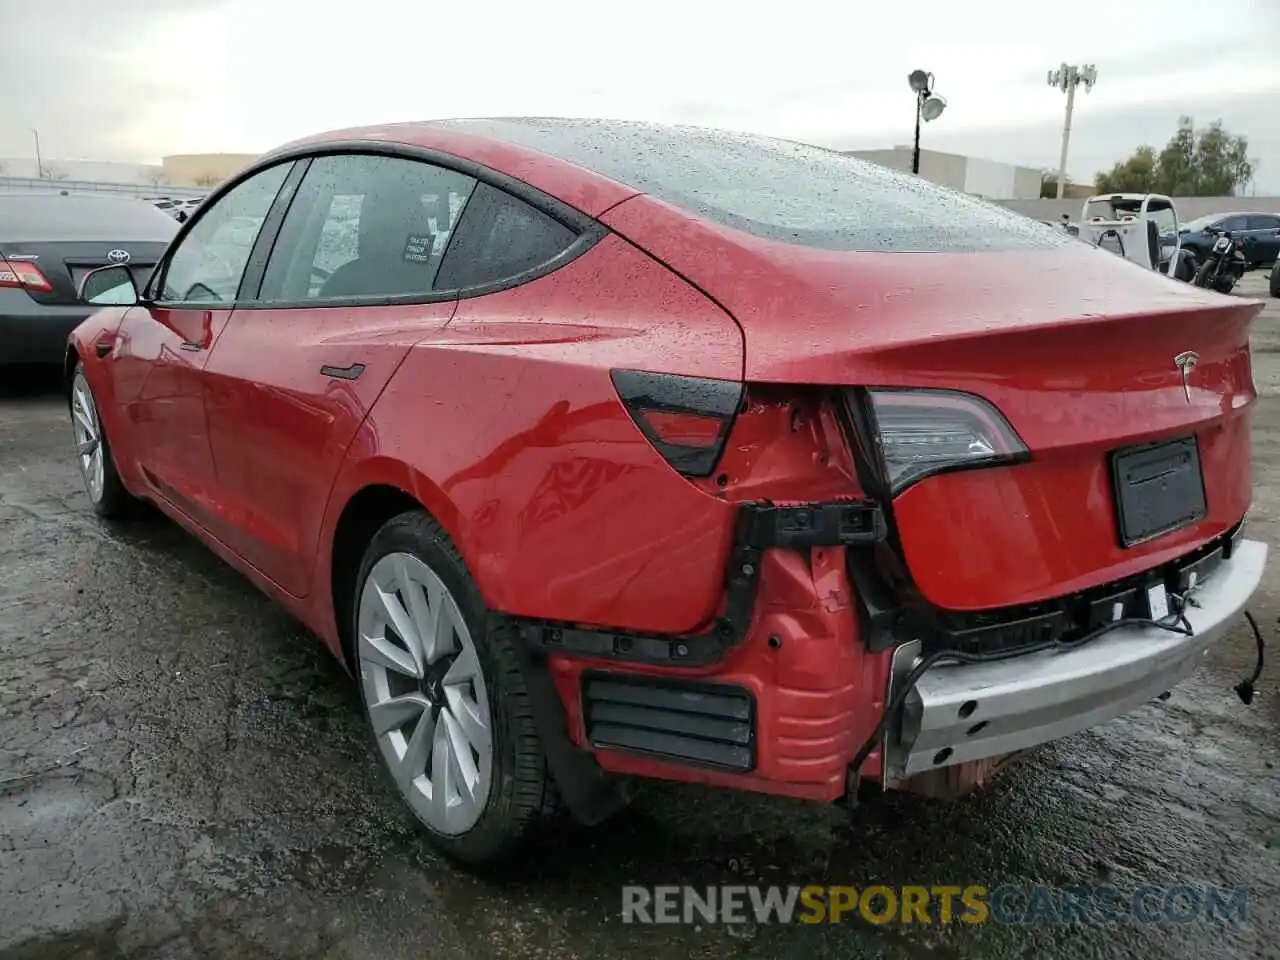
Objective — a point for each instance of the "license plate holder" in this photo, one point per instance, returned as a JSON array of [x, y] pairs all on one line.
[[1158, 488]]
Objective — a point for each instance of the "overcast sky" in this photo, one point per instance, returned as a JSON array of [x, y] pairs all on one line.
[[136, 79]]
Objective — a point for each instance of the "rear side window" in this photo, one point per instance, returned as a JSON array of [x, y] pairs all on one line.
[[501, 238], [365, 226], [777, 189], [1263, 221], [37, 218]]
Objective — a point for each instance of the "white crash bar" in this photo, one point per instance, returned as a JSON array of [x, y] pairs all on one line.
[[961, 712]]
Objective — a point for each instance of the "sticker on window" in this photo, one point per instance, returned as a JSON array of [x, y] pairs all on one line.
[[418, 247]]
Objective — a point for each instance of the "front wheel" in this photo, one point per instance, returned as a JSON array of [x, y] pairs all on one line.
[[1274, 282], [93, 453], [1205, 275], [445, 695]]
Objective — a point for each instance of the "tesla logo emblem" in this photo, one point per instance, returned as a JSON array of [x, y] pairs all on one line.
[[118, 256], [1186, 362]]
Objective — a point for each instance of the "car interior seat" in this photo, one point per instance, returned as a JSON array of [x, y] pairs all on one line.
[[395, 248]]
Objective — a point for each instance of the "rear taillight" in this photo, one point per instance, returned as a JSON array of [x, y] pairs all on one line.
[[923, 432], [24, 275], [687, 419]]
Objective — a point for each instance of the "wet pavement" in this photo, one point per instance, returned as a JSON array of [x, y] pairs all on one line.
[[184, 772]]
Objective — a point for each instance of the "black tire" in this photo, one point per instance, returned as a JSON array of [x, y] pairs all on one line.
[[1203, 274], [113, 501], [1274, 282], [521, 790]]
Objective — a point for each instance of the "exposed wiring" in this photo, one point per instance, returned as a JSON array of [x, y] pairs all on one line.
[[1244, 689], [1175, 623]]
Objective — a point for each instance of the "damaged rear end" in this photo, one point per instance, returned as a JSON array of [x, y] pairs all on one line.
[[1054, 445]]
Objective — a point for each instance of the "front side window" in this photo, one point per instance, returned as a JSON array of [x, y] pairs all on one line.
[[1233, 224], [209, 263], [365, 226]]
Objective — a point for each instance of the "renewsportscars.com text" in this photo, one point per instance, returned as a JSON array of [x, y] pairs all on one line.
[[938, 904]]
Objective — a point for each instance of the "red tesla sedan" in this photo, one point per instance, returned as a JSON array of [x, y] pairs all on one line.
[[599, 450]]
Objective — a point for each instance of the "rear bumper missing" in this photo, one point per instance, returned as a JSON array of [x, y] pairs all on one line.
[[962, 712]]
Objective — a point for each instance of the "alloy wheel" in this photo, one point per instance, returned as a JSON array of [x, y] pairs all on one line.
[[88, 436], [425, 693]]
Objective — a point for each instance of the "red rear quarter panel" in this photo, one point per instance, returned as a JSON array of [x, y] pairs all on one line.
[[1075, 346], [506, 426]]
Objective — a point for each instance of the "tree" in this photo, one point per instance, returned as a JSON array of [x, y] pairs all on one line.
[[1209, 162], [206, 180], [156, 176], [50, 172], [1138, 174]]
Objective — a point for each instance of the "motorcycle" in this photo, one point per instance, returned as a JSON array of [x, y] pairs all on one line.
[[1224, 266]]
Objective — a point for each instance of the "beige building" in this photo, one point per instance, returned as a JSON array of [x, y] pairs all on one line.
[[983, 178], [203, 169]]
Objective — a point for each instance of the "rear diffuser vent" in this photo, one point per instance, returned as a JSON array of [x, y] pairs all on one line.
[[710, 725]]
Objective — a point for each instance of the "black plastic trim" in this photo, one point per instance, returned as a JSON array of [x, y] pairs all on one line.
[[756, 527], [684, 721], [1061, 618], [256, 268], [642, 391], [591, 795], [817, 525], [1192, 486]]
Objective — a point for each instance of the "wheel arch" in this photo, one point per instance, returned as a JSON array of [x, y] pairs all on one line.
[[69, 361], [378, 491]]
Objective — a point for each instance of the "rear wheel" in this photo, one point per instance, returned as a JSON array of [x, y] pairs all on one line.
[[444, 694], [93, 453], [1275, 279]]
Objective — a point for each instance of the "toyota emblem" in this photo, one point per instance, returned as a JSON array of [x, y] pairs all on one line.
[[118, 256]]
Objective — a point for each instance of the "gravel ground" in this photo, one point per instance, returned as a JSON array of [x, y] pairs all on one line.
[[184, 773]]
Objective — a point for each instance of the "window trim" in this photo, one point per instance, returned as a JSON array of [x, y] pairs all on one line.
[[589, 230], [155, 286]]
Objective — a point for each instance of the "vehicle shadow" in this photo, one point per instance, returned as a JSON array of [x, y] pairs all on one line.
[[30, 381]]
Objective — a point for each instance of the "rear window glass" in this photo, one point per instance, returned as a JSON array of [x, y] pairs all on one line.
[[777, 189], [39, 217]]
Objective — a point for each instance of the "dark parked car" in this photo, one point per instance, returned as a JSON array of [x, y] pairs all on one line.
[[47, 243], [1259, 231]]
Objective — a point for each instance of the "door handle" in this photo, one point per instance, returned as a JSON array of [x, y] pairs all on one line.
[[101, 349], [188, 345], [343, 373]]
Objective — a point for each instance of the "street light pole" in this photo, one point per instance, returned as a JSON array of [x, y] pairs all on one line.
[[1066, 78], [39, 165], [915, 152], [929, 106]]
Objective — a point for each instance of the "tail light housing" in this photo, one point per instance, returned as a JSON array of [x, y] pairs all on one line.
[[926, 432], [24, 275], [687, 419]]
